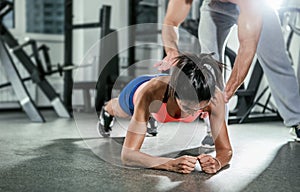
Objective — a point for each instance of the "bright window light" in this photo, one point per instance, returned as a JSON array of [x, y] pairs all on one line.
[[275, 4]]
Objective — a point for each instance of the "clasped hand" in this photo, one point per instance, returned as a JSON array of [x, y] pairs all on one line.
[[186, 164]]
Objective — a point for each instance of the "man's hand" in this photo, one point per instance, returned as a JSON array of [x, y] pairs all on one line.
[[167, 62], [209, 164], [184, 164], [228, 94]]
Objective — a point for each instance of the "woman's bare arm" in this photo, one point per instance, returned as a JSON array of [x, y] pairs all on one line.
[[131, 154], [220, 135], [219, 129]]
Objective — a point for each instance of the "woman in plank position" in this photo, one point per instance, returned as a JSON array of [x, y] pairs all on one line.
[[194, 88]]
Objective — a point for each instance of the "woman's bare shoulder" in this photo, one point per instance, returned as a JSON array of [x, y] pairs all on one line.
[[156, 86], [150, 97]]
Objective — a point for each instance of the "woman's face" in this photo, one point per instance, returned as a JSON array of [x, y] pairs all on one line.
[[192, 107]]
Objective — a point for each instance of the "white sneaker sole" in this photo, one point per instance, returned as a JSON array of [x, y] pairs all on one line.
[[293, 134], [208, 146], [105, 134]]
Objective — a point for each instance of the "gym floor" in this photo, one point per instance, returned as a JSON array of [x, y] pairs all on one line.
[[68, 155]]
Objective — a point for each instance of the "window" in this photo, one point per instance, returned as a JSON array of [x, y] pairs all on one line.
[[8, 20], [45, 16]]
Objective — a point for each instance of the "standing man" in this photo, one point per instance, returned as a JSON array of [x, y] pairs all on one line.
[[259, 32]]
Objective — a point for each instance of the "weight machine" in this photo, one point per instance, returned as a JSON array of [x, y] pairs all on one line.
[[108, 63], [9, 45]]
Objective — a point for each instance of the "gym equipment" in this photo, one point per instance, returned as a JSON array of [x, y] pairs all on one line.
[[109, 64], [248, 99], [60, 69], [22, 94], [9, 45]]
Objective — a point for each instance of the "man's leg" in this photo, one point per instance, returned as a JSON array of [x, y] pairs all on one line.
[[298, 71], [216, 20], [279, 72]]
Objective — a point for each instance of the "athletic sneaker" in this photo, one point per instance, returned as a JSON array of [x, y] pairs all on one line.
[[295, 132], [152, 127], [105, 123], [208, 141]]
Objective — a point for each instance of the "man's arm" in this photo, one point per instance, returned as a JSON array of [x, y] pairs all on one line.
[[249, 28], [176, 13]]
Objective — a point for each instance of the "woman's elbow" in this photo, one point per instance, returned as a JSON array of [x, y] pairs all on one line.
[[127, 157], [124, 157]]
